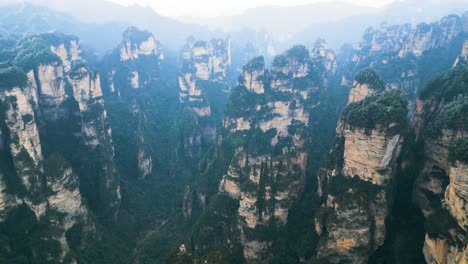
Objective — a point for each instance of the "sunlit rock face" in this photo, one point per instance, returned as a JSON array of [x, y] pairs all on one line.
[[404, 55], [202, 61], [24, 142], [441, 187], [204, 71], [135, 63], [427, 36], [61, 191], [359, 92], [365, 155], [463, 58], [131, 82], [446, 180], [137, 44], [405, 40], [356, 178], [56, 113], [271, 108]]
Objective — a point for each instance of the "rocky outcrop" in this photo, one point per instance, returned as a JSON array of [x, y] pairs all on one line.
[[95, 128], [366, 154], [441, 251], [209, 60], [463, 58], [447, 181], [205, 67], [135, 63], [401, 53], [357, 179], [137, 44], [441, 188], [51, 186], [265, 178], [320, 52], [456, 194], [65, 198], [133, 76], [435, 35], [145, 161], [202, 61], [359, 92], [366, 83], [404, 40], [254, 75], [23, 142], [52, 122]]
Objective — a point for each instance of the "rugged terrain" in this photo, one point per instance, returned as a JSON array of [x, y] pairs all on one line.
[[147, 156]]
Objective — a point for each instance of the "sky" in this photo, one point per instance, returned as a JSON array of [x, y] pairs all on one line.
[[213, 8]]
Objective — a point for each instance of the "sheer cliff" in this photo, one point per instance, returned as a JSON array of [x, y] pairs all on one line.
[[440, 189], [264, 145], [46, 85], [313, 156], [356, 179]]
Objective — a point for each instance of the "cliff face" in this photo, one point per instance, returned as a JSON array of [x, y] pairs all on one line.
[[48, 188], [321, 53], [403, 55], [404, 40], [356, 178], [265, 127], [133, 71], [202, 61], [135, 63], [96, 133], [138, 44], [204, 74], [441, 189], [58, 90]]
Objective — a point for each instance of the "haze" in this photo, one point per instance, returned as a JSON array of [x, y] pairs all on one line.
[[213, 8]]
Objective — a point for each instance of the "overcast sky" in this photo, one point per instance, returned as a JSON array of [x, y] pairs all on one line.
[[212, 8]]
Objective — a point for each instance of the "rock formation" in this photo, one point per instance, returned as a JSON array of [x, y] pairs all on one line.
[[265, 128], [57, 81], [403, 56], [441, 188], [356, 179], [205, 67]]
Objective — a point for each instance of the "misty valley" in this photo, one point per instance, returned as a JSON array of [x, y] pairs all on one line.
[[144, 139]]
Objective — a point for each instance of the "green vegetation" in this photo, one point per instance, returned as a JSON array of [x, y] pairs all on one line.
[[257, 63], [299, 53], [451, 115], [380, 110], [135, 35], [280, 61], [371, 78], [27, 240], [353, 189], [188, 257], [55, 39], [449, 92], [459, 150], [447, 86], [35, 50], [12, 76]]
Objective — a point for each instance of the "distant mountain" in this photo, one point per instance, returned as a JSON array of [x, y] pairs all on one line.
[[100, 13], [25, 18], [285, 21], [349, 29]]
